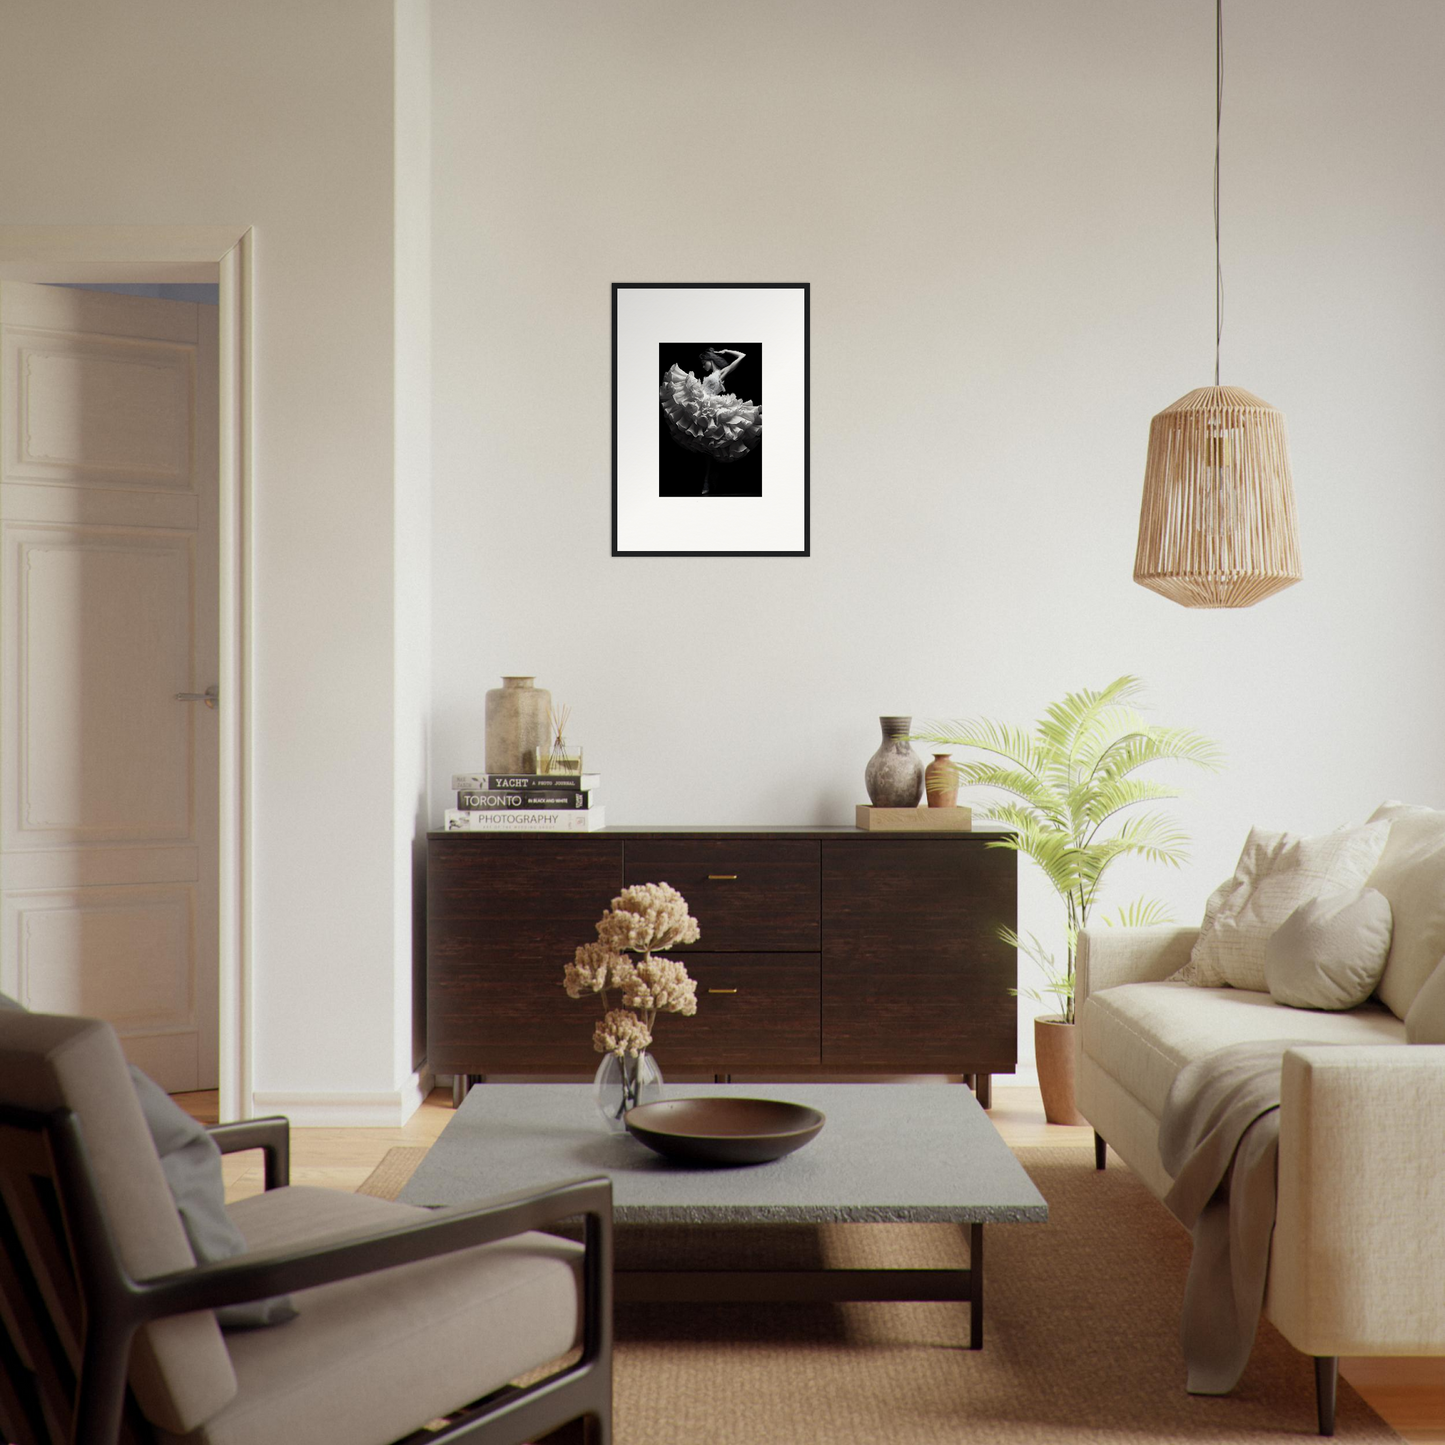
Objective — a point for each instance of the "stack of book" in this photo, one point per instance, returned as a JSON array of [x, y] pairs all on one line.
[[525, 803]]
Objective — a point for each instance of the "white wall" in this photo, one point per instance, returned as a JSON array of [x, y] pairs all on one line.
[[412, 599], [1003, 207], [279, 116]]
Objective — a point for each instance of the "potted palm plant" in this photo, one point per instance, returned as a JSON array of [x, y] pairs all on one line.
[[1072, 799]]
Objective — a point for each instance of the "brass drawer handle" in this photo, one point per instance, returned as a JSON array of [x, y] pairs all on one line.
[[722, 990], [722, 877]]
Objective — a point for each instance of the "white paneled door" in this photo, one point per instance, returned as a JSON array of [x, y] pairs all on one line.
[[108, 594]]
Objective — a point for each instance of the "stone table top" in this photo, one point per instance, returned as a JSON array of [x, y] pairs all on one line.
[[889, 1153]]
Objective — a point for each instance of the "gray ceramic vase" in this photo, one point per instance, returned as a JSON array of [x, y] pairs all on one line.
[[894, 775], [516, 725]]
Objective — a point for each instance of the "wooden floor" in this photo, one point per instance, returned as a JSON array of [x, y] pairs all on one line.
[[1409, 1393]]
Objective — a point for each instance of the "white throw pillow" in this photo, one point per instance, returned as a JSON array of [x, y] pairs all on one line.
[[1411, 874], [1425, 1023], [1329, 953], [1275, 874]]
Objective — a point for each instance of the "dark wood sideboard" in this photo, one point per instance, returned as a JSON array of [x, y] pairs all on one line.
[[824, 950]]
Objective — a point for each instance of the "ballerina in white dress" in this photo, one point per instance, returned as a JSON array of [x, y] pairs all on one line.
[[704, 418]]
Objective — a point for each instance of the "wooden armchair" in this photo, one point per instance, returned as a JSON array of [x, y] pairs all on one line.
[[405, 1315]]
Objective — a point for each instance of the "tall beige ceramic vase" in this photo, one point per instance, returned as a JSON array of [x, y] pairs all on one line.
[[1054, 1054], [516, 725]]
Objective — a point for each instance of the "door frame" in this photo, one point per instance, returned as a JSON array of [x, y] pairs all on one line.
[[195, 253]]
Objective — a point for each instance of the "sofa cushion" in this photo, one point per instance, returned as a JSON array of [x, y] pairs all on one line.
[[1276, 872], [1330, 951], [1144, 1033], [368, 1360], [1411, 874], [1425, 1023]]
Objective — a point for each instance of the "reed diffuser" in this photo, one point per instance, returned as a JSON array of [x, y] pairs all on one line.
[[557, 757]]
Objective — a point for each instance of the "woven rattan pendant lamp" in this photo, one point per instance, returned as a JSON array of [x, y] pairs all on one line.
[[1217, 525]]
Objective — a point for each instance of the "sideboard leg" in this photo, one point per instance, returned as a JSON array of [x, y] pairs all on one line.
[[983, 1090], [1101, 1150], [461, 1086], [1327, 1378]]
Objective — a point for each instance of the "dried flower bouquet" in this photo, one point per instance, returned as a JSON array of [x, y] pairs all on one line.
[[643, 919]]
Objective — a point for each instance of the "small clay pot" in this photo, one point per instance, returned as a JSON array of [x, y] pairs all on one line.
[[940, 782]]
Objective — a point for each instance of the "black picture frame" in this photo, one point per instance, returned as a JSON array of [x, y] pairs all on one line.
[[654, 514]]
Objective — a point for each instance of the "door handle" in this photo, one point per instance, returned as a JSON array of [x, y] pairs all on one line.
[[722, 990], [208, 697], [722, 877]]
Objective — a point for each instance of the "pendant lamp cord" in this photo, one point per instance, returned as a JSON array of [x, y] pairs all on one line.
[[1218, 117]]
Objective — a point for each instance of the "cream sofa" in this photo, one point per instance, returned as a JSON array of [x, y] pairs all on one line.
[[1357, 1265]]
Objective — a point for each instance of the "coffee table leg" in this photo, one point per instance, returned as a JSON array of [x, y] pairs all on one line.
[[975, 1286]]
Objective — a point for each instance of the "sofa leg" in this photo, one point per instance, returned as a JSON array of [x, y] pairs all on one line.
[[1327, 1378], [1101, 1150]]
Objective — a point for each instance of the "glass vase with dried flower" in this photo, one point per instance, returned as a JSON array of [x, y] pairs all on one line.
[[642, 920]]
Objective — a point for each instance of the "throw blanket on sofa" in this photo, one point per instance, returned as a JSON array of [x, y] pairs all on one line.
[[1219, 1140]]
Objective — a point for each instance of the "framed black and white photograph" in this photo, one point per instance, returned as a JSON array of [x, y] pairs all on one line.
[[696, 371]]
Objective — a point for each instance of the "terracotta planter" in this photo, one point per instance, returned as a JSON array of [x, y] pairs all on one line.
[[1054, 1055]]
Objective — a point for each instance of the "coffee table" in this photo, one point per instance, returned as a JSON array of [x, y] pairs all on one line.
[[889, 1154]]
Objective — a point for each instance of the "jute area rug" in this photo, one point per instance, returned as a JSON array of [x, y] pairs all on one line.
[[1081, 1337]]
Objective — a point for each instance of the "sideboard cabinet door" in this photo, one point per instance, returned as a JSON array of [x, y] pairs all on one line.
[[915, 976], [504, 915]]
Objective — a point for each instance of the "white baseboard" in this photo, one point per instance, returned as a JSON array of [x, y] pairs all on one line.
[[415, 1092], [349, 1111]]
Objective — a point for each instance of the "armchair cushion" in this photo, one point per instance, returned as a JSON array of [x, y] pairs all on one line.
[[191, 1163], [180, 1371], [396, 1347]]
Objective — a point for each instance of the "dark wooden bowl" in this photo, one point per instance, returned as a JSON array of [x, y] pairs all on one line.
[[721, 1131]]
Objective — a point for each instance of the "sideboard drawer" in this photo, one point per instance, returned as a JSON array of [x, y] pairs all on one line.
[[754, 1010], [747, 894]]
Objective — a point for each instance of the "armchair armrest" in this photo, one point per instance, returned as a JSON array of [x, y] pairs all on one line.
[[1107, 957], [1356, 1261], [272, 1136], [283, 1271]]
